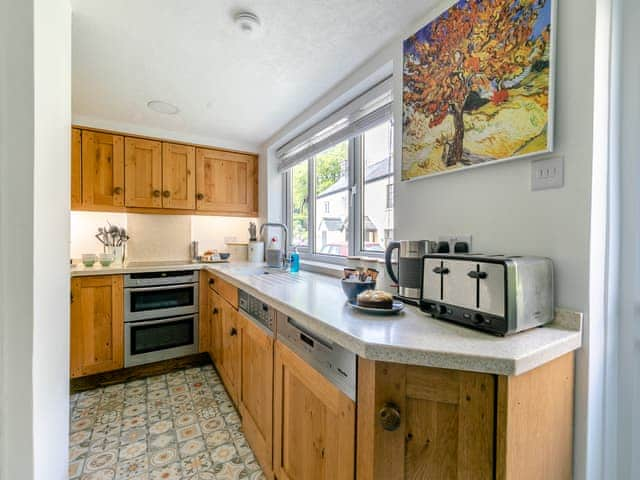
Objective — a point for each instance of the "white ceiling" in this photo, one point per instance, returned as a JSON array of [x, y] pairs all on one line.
[[226, 85]]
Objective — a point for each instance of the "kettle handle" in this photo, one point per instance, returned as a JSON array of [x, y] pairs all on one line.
[[387, 259]]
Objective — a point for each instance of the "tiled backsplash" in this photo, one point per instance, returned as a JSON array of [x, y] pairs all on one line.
[[157, 237]]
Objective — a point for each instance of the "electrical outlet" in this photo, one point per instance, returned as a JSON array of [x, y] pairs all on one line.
[[453, 239], [547, 173]]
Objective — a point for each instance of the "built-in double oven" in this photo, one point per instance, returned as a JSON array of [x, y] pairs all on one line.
[[161, 316]]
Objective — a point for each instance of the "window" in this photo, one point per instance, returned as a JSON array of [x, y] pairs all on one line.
[[352, 179], [377, 189], [299, 222]]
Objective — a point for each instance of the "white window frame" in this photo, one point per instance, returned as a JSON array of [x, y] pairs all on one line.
[[355, 182]]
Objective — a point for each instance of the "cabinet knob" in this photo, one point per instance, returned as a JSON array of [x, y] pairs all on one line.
[[233, 332], [156, 193], [166, 194], [214, 311], [117, 190], [200, 196], [389, 416], [211, 281]]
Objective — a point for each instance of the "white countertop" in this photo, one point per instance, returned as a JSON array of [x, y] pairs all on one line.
[[412, 337]]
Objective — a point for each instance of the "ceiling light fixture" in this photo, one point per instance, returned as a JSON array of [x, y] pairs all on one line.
[[248, 22], [162, 107]]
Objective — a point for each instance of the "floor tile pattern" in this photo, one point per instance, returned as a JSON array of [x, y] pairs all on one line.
[[177, 426]]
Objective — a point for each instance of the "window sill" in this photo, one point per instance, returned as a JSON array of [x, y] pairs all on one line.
[[322, 268]]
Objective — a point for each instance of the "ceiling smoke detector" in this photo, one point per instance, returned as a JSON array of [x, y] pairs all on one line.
[[248, 22], [162, 107]]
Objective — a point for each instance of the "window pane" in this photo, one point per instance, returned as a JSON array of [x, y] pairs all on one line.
[[331, 204], [300, 205], [377, 196]]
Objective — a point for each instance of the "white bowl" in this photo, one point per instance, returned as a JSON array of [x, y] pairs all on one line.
[[106, 259], [88, 259]]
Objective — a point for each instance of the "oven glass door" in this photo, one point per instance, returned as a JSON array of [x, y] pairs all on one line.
[[155, 340], [154, 302]]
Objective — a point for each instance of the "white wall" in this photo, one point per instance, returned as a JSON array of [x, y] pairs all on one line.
[[158, 237], [34, 227], [495, 203]]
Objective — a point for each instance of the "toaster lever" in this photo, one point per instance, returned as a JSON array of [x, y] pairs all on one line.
[[474, 274], [441, 270]]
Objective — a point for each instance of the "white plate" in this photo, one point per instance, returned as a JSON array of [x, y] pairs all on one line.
[[396, 307]]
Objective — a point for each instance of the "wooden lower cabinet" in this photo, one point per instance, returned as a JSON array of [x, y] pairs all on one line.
[[314, 423], [230, 350], [429, 423], [97, 327], [256, 393]]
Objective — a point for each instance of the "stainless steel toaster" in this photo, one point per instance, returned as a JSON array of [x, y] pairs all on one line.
[[495, 293]]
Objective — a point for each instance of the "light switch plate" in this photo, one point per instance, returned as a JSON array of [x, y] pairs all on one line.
[[547, 173]]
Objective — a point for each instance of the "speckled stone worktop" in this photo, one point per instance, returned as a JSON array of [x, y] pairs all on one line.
[[412, 337]]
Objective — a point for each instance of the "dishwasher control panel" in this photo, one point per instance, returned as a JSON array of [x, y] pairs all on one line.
[[336, 363], [257, 309]]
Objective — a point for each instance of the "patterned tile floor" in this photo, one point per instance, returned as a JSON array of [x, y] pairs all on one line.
[[176, 426]]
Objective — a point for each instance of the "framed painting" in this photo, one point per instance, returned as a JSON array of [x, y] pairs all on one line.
[[478, 86]]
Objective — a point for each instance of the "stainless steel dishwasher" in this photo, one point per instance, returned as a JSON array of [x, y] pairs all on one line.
[[334, 362]]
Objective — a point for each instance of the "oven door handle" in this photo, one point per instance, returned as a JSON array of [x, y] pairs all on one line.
[[142, 323], [163, 287]]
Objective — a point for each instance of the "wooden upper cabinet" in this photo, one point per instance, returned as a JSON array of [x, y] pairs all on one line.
[[314, 423], [178, 176], [97, 312], [256, 393], [227, 182], [143, 173], [76, 168], [102, 170]]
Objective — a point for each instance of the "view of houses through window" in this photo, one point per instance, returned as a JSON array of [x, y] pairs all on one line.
[[361, 169]]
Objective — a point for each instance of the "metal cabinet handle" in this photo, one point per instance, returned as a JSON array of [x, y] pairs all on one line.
[[200, 196], [233, 332], [166, 194], [156, 193], [117, 190], [389, 416]]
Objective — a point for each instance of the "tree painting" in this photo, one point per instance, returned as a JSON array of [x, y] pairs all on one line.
[[476, 86]]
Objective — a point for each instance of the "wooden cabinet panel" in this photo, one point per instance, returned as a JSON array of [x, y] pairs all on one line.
[[314, 423], [143, 173], [230, 350], [76, 168], [227, 182], [256, 393], [102, 170], [178, 176], [225, 289], [214, 313], [446, 423], [96, 324]]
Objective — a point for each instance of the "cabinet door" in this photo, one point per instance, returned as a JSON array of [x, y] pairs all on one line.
[[102, 170], [421, 422], [76, 168], [143, 173], [96, 324], [178, 176], [314, 423], [214, 332], [256, 392], [230, 350], [227, 182]]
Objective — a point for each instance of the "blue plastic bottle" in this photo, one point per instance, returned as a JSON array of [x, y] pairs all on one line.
[[295, 261]]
